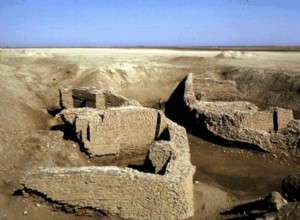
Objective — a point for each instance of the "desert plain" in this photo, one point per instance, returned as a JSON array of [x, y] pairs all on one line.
[[226, 176]]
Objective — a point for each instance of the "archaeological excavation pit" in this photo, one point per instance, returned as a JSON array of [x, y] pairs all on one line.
[[109, 125]]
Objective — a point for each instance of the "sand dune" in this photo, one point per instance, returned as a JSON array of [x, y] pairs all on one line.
[[235, 54]]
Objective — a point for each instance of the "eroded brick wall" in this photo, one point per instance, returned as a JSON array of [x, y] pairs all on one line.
[[119, 131]]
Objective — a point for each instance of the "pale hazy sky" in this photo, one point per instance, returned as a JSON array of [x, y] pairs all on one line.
[[149, 22]]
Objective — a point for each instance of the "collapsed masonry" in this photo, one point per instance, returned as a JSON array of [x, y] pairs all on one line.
[[213, 103], [167, 193]]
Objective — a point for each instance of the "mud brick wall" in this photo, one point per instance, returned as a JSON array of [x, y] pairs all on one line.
[[126, 193], [207, 89], [118, 131]]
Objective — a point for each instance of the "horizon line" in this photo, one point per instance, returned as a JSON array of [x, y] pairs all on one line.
[[254, 47]]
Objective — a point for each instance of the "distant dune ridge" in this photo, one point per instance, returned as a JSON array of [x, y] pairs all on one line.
[[235, 54]]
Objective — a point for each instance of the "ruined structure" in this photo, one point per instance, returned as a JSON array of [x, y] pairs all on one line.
[[214, 105], [166, 193]]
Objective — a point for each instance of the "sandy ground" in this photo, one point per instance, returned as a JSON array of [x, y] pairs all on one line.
[[227, 176]]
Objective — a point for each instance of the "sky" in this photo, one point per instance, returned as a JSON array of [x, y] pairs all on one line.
[[71, 23]]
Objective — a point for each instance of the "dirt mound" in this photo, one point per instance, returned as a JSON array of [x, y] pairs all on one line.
[[234, 54]]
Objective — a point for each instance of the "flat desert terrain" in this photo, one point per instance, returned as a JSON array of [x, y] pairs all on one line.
[[225, 175]]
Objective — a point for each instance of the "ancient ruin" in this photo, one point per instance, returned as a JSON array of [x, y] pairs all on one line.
[[114, 129], [214, 105]]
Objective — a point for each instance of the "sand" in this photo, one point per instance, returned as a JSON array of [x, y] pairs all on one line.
[[29, 84]]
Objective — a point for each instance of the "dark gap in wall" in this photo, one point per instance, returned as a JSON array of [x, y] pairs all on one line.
[[296, 115], [165, 135], [158, 122], [163, 170], [88, 134], [79, 103], [275, 120], [54, 112], [147, 167]]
